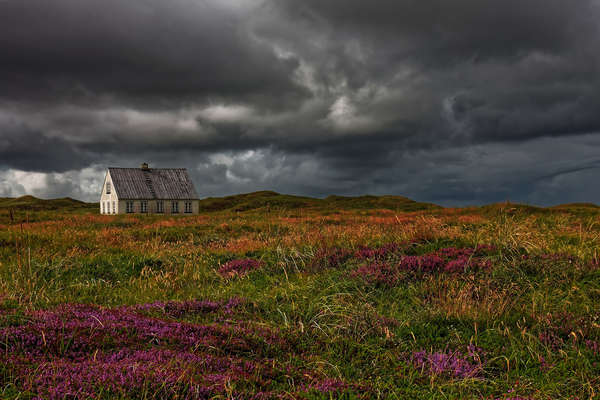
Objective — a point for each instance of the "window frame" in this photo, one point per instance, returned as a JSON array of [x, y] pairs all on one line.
[[129, 206], [144, 206], [188, 207], [174, 207], [160, 207], [108, 188]]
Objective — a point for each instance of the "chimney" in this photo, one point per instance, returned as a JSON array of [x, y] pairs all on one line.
[[145, 167]]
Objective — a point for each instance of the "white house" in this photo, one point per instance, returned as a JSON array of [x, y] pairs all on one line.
[[148, 191]]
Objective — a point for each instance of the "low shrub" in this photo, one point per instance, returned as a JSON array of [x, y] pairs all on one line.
[[449, 364], [447, 260], [239, 267]]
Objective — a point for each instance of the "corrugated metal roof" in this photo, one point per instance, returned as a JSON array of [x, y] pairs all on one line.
[[152, 183]]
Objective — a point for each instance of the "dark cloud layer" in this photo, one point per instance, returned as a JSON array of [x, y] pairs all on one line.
[[26, 149], [148, 50], [457, 102]]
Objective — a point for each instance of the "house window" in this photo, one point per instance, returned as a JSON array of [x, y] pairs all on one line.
[[129, 207], [107, 187], [175, 207], [160, 206], [114, 207], [188, 207], [144, 206]]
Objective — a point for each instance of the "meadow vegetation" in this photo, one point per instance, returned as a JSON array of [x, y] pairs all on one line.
[[264, 296]]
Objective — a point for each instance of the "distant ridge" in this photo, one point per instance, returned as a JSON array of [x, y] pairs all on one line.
[[34, 203], [509, 207], [273, 200], [246, 202], [263, 199], [576, 205]]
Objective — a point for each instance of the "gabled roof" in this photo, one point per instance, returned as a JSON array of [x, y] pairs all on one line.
[[152, 183]]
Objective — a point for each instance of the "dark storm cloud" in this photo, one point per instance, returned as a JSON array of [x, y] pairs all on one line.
[[505, 69], [30, 150], [443, 101], [148, 49], [453, 29]]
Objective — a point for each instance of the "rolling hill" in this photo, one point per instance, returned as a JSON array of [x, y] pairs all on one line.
[[276, 201], [269, 199], [34, 203], [243, 202], [576, 205]]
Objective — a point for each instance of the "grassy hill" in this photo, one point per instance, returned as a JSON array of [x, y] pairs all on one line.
[[276, 201], [377, 202], [273, 200], [528, 209], [33, 203], [576, 205], [511, 208], [243, 202], [255, 200]]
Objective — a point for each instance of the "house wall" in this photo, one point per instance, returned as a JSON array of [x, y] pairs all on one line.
[[109, 199], [122, 208], [152, 207]]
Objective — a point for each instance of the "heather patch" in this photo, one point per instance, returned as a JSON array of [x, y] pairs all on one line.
[[153, 373], [378, 253], [451, 259], [382, 274], [84, 351], [239, 267], [72, 331], [447, 260], [177, 309], [593, 346], [449, 364], [564, 329], [330, 257]]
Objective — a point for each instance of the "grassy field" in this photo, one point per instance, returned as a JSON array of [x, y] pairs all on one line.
[[265, 296]]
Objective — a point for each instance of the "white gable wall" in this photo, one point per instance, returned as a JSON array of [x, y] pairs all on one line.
[[109, 202]]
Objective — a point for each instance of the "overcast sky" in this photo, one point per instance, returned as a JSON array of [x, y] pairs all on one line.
[[455, 102]]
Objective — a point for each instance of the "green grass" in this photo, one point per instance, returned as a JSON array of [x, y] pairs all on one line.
[[336, 320]]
